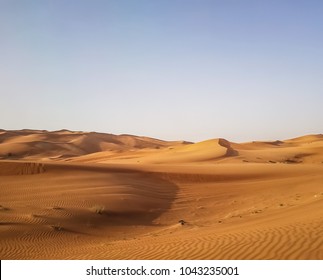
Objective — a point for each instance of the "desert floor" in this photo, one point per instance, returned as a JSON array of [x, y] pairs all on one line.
[[77, 195]]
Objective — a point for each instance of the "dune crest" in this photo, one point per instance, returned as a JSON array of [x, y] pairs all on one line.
[[230, 151]]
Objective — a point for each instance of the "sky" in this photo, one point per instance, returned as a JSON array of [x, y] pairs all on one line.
[[171, 69]]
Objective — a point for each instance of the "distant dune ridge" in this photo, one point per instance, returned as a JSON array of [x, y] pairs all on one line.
[[88, 195], [65, 143]]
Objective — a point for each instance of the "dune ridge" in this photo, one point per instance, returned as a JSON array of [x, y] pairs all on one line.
[[38, 144]]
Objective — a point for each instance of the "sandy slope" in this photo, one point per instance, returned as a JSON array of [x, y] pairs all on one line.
[[74, 195]]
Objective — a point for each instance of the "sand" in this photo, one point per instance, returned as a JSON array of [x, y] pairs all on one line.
[[78, 195]]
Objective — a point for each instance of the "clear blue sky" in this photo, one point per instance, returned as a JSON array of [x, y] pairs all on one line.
[[170, 69]]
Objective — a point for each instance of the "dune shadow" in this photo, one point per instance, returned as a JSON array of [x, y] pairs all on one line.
[[130, 197], [115, 195], [146, 198]]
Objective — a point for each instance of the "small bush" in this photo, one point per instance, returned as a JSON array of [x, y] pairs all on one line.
[[98, 209], [56, 227]]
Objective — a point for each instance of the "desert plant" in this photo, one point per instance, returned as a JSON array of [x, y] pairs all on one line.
[[182, 222], [56, 227], [98, 209]]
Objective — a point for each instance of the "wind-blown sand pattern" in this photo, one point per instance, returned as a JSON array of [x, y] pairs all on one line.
[[77, 195]]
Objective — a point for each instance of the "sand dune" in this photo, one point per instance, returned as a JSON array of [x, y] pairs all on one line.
[[76, 195], [62, 144]]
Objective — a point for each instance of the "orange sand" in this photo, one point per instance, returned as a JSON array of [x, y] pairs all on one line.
[[77, 195]]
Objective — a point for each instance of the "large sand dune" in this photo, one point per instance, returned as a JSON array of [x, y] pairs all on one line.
[[76, 195]]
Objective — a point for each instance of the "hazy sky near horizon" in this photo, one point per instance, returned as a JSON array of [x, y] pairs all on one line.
[[171, 69]]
